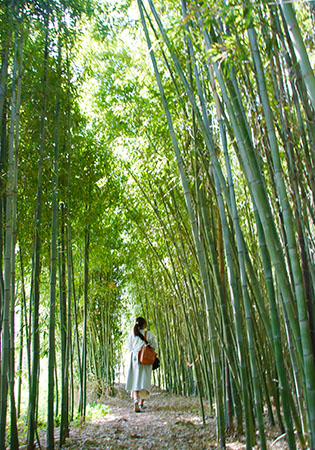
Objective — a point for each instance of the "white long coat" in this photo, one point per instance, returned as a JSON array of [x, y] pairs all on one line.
[[139, 375]]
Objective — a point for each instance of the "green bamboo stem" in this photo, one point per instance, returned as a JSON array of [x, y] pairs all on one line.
[[20, 363], [201, 116], [53, 277], [288, 224], [4, 72], [33, 395], [246, 300], [283, 100], [295, 76], [82, 400], [63, 306], [285, 392], [65, 425], [3, 145], [238, 319], [7, 343], [27, 336], [228, 332], [259, 195], [284, 283], [301, 54], [76, 326], [19, 38]]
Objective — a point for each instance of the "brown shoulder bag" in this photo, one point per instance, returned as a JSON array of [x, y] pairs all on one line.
[[147, 355]]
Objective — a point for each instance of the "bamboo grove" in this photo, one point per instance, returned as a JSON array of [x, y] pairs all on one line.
[[232, 112], [159, 163], [52, 217]]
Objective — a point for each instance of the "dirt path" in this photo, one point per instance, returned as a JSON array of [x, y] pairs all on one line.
[[169, 422]]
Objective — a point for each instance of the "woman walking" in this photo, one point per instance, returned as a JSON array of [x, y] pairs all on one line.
[[139, 375]]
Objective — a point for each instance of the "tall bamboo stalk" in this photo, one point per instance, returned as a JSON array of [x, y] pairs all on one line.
[[301, 53], [53, 275], [19, 38], [7, 342], [33, 394], [64, 369], [69, 239], [82, 401]]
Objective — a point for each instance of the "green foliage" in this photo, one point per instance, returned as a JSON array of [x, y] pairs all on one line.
[[118, 180], [94, 411]]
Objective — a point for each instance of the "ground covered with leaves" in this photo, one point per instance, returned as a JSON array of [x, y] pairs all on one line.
[[168, 422]]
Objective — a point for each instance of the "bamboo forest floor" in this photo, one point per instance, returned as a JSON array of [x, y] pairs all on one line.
[[168, 422]]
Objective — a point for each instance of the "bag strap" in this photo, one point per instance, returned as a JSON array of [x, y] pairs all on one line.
[[144, 338]]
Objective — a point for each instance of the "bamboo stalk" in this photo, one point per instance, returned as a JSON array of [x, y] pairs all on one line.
[[302, 56], [7, 341], [35, 293], [288, 224], [53, 275]]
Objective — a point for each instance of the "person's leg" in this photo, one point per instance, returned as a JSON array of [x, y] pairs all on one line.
[[144, 394], [136, 399], [142, 406]]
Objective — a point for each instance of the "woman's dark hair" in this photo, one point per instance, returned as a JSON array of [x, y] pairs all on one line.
[[140, 321]]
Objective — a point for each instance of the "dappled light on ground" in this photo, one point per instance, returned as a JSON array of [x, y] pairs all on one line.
[[168, 422]]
